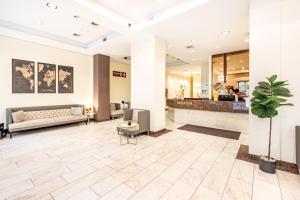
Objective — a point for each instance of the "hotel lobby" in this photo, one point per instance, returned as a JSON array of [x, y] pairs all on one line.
[[149, 99]]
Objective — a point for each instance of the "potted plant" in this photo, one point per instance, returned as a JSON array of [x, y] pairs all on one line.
[[268, 96]]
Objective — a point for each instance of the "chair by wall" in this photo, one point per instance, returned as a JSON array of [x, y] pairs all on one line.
[[142, 117]]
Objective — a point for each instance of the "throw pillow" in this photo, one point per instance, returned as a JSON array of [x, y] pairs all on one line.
[[76, 111], [18, 116]]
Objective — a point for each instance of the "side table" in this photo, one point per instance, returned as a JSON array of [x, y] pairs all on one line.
[[129, 130], [89, 116]]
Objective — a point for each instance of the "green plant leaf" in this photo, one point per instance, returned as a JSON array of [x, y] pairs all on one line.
[[272, 78]]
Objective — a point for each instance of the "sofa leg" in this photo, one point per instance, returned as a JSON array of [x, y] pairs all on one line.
[[10, 135]]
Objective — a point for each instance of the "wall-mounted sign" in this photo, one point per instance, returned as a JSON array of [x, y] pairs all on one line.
[[119, 74]]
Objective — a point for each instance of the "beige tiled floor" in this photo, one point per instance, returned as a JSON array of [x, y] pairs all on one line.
[[86, 162]]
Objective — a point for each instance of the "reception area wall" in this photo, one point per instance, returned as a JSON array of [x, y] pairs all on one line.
[[18, 49]]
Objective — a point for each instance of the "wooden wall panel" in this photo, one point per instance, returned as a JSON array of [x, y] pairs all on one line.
[[101, 87]]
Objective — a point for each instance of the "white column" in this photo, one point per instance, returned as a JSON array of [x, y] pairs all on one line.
[[274, 44], [148, 78]]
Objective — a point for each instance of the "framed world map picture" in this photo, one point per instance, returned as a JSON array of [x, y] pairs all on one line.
[[22, 76], [46, 78], [65, 79]]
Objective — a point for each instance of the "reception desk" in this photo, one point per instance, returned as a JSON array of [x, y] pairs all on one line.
[[215, 114]]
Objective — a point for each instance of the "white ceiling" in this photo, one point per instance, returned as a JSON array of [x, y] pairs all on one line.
[[137, 10], [176, 21]]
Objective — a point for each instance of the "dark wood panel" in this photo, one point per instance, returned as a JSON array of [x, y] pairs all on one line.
[[101, 88]]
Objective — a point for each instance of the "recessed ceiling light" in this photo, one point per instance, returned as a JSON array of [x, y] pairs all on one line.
[[76, 35], [225, 32], [217, 46], [94, 24], [52, 6], [85, 30], [38, 22], [76, 16], [247, 40]]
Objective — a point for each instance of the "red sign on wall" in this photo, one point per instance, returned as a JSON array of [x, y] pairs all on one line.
[[119, 74]]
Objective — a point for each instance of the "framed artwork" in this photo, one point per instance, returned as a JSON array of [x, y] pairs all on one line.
[[22, 76], [65, 79], [46, 78]]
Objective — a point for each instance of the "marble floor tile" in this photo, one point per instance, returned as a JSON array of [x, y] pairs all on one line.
[[179, 191], [175, 170], [36, 193], [153, 191], [216, 179], [263, 190], [243, 171], [121, 192], [85, 195], [81, 184], [289, 185], [145, 176], [87, 162], [108, 184], [203, 193], [264, 177], [237, 190]]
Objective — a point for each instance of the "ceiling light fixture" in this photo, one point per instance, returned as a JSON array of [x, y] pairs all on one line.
[[76, 16], [38, 22], [76, 35], [94, 24], [226, 32], [52, 6], [85, 30]]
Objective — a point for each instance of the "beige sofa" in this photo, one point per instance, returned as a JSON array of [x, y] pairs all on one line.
[[43, 116]]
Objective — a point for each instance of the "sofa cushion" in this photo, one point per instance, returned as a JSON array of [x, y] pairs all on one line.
[[35, 123], [18, 116], [77, 111], [117, 112]]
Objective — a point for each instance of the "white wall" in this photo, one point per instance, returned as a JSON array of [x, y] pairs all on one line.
[[119, 86], [18, 49], [274, 49], [148, 78]]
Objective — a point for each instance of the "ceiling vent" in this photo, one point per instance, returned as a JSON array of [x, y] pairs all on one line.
[[190, 47]]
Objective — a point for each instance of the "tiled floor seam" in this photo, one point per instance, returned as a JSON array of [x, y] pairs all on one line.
[[279, 186], [252, 182], [205, 176]]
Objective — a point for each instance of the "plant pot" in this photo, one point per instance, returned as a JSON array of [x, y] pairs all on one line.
[[266, 165]]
